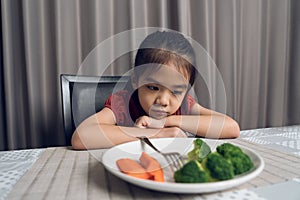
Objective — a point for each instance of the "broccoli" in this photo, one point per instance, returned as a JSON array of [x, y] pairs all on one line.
[[240, 161], [200, 151], [191, 172], [218, 167], [227, 148], [205, 166]]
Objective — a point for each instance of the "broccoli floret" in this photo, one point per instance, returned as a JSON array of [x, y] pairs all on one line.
[[240, 161], [227, 148], [219, 168], [200, 151], [191, 172]]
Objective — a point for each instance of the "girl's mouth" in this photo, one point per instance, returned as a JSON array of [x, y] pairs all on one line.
[[158, 114]]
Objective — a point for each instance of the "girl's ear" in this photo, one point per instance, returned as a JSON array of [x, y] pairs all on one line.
[[134, 81]]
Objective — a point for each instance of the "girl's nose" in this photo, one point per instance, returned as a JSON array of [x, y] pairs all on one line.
[[163, 99]]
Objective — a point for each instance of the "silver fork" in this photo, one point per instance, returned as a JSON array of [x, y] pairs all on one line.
[[174, 159]]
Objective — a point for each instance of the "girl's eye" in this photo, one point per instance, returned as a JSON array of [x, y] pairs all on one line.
[[177, 92], [151, 87]]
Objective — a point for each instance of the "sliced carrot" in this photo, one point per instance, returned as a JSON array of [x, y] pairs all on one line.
[[152, 166], [132, 168]]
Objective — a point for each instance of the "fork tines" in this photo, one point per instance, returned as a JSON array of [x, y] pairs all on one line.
[[174, 160]]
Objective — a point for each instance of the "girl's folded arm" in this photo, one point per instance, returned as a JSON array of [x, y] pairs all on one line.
[[205, 123], [100, 131]]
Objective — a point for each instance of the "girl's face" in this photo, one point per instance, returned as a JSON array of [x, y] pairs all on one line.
[[161, 90]]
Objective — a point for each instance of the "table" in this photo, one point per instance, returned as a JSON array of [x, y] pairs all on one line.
[[62, 173]]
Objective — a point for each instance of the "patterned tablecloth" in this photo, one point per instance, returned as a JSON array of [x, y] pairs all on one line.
[[286, 139], [63, 173], [13, 165]]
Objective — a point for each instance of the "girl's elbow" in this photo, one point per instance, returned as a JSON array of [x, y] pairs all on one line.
[[234, 131], [76, 142]]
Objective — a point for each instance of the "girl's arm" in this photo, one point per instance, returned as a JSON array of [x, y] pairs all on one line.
[[205, 123], [100, 131]]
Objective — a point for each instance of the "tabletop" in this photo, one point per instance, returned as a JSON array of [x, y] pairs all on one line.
[[62, 173]]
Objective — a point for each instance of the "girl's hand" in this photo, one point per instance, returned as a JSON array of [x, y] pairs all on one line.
[[149, 122]]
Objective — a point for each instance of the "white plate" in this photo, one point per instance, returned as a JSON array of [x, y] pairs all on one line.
[[182, 145]]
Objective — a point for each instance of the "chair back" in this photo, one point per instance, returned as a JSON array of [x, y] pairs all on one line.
[[83, 96]]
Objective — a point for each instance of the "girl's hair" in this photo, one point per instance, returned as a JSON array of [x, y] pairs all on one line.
[[165, 47]]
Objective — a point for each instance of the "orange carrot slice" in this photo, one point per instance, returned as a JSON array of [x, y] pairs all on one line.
[[132, 168], [152, 166]]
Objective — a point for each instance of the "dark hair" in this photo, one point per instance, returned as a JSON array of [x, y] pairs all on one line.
[[164, 47]]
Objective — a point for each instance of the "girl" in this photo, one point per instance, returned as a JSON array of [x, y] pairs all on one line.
[[156, 103]]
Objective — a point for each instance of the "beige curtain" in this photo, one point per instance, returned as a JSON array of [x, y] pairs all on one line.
[[255, 45]]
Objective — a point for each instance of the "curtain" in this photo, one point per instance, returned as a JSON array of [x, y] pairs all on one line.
[[253, 43]]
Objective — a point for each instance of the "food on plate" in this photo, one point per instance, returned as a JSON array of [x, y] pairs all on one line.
[[218, 167], [152, 166], [202, 165], [240, 161], [191, 172], [213, 168], [200, 150], [132, 168], [205, 166], [148, 168]]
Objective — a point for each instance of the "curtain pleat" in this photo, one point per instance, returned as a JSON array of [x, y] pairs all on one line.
[[253, 47], [14, 80], [293, 110]]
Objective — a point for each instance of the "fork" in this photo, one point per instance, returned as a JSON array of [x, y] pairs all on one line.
[[174, 159]]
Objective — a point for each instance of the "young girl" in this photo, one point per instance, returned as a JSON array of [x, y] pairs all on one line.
[[156, 103]]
